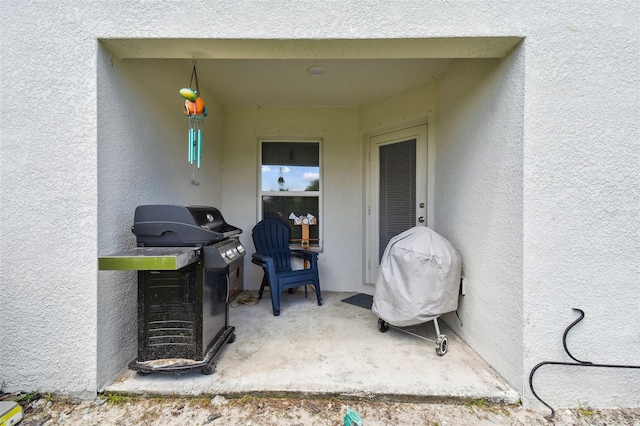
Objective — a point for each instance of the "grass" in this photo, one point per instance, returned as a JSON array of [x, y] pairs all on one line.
[[480, 404], [477, 403], [501, 410], [243, 400], [28, 397], [585, 411], [199, 402], [116, 399]]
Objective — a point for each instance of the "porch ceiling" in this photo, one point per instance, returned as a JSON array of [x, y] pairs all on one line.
[[274, 72]]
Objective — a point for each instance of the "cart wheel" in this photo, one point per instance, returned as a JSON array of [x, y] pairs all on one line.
[[232, 338], [442, 344], [382, 326], [208, 370]]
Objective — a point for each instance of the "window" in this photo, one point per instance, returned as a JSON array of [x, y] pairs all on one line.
[[290, 182]]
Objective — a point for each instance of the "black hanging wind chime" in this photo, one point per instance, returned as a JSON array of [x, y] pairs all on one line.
[[196, 111]]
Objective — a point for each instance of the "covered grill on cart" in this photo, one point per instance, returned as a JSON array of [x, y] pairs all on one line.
[[419, 280], [190, 265]]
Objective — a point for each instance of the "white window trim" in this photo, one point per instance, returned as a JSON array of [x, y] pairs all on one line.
[[319, 193]]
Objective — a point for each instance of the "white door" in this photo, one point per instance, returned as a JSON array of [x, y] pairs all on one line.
[[398, 189]]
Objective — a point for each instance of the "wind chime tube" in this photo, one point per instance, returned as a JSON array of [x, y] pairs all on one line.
[[199, 146], [190, 146], [193, 145], [190, 150]]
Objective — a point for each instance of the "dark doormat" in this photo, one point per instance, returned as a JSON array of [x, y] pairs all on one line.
[[360, 299]]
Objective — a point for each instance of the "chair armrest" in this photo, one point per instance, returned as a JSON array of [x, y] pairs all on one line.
[[303, 254], [259, 259]]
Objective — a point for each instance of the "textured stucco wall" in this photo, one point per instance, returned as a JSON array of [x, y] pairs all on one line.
[[580, 202], [341, 179], [396, 111], [142, 140], [49, 198], [479, 202]]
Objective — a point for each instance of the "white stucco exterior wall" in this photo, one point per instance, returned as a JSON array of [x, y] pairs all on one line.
[[479, 202], [580, 200], [400, 110], [142, 145], [581, 197], [341, 181], [48, 166]]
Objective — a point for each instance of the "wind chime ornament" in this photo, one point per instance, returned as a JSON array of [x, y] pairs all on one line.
[[196, 111]]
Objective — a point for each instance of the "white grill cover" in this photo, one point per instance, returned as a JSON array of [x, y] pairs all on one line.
[[419, 278]]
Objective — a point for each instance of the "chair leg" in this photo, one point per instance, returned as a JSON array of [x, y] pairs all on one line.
[[265, 282], [275, 300], [318, 294]]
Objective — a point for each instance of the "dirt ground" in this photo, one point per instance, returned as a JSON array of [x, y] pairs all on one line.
[[121, 410]]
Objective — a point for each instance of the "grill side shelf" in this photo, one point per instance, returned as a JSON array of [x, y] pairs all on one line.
[[149, 258]]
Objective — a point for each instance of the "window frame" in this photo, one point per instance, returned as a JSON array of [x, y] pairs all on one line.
[[310, 194]]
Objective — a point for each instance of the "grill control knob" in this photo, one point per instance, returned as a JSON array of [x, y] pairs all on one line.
[[229, 253], [240, 249]]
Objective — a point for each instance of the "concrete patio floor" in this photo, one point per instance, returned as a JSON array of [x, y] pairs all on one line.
[[334, 350]]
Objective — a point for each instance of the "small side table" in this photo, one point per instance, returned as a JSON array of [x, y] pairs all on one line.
[[304, 241]]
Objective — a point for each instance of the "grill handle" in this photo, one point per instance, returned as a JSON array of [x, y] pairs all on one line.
[[223, 294], [228, 286]]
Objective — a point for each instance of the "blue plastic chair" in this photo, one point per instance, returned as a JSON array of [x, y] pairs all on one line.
[[271, 239]]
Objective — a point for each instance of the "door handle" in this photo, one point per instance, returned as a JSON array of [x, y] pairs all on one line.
[[421, 219]]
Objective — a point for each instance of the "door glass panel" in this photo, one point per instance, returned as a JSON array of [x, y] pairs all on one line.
[[397, 190]]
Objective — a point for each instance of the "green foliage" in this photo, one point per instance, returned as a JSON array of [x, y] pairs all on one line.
[[478, 403], [314, 185], [242, 401], [116, 399], [585, 411], [27, 397]]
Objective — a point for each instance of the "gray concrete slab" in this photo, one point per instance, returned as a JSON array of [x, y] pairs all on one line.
[[330, 350]]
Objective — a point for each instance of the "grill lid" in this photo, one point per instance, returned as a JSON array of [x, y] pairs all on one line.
[[160, 225]]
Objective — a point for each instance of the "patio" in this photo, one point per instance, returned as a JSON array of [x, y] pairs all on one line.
[[334, 350]]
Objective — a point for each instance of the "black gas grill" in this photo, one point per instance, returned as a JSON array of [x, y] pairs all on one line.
[[179, 226], [190, 265]]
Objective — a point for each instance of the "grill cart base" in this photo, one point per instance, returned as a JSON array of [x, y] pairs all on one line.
[[442, 343], [183, 365]]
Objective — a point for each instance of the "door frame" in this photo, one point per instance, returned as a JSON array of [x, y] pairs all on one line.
[[368, 141]]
